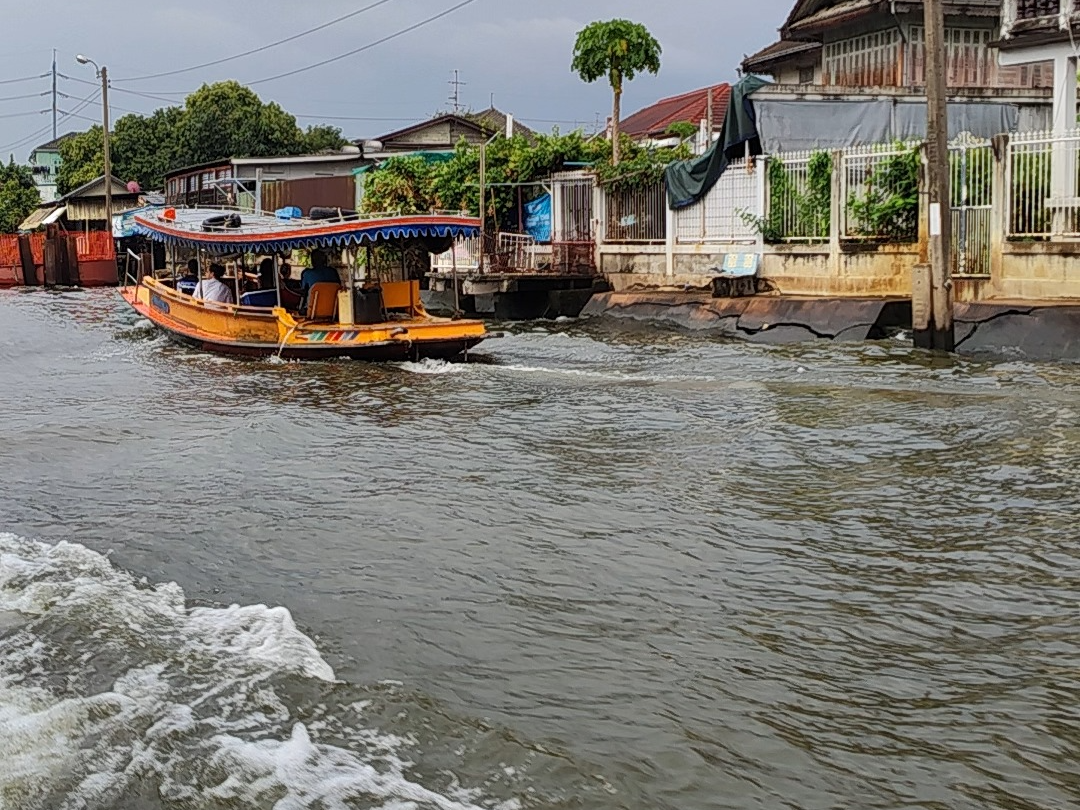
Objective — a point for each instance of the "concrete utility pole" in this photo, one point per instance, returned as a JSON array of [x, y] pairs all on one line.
[[932, 294], [108, 154], [103, 74]]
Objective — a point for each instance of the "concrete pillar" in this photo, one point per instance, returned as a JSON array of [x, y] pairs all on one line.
[[669, 242], [1063, 156], [999, 211], [836, 209], [599, 206], [761, 165]]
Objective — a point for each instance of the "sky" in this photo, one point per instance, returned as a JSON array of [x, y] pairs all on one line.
[[514, 52]]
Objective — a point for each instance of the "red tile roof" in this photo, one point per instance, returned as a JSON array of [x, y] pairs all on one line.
[[653, 121]]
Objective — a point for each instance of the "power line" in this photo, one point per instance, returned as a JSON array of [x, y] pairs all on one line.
[[369, 46], [352, 118], [23, 114], [35, 135], [24, 79], [27, 95], [261, 48], [169, 101], [77, 79]]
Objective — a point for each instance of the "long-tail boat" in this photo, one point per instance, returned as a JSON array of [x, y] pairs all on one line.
[[361, 317]]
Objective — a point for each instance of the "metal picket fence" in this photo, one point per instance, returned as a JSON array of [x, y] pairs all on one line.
[[730, 212], [1042, 186]]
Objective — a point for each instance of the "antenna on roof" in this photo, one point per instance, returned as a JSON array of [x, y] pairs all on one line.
[[455, 94]]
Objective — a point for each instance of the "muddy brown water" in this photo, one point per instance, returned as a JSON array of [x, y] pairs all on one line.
[[598, 567]]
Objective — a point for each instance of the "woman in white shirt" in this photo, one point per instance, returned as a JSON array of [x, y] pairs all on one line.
[[211, 288]]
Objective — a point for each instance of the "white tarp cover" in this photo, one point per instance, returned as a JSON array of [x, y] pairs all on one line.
[[793, 126]]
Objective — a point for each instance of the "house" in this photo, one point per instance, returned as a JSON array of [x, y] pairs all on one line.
[[1046, 32], [443, 133], [852, 71], [325, 179], [78, 219], [83, 209], [650, 125], [45, 165]]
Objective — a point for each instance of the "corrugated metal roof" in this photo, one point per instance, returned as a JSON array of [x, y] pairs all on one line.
[[817, 12], [36, 218], [654, 120], [778, 50]]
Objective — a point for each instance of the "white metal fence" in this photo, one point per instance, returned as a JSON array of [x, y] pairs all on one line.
[[1041, 186], [464, 256], [879, 193], [730, 212], [515, 251], [971, 184], [799, 197], [636, 215]]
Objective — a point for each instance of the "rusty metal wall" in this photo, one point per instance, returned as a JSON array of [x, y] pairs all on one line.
[[331, 192]]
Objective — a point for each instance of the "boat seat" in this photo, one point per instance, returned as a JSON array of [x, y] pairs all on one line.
[[322, 301], [260, 298]]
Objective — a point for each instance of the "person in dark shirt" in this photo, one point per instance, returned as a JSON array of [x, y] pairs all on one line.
[[320, 271], [186, 283], [266, 274]]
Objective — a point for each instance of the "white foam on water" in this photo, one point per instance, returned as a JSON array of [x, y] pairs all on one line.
[[434, 367], [108, 684]]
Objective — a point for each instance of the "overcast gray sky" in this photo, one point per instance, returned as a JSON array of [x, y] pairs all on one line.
[[517, 50]]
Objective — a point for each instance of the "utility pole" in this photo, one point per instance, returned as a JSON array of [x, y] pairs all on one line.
[[483, 203], [932, 294], [108, 157], [54, 94]]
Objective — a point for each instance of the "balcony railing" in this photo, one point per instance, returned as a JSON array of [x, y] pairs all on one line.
[[1034, 9]]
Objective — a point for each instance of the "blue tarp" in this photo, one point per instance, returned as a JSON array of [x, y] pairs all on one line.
[[538, 218]]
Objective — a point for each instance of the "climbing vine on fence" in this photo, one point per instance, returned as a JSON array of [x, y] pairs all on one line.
[[796, 210], [886, 204]]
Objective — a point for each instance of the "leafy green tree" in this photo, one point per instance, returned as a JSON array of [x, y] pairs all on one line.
[[227, 119], [144, 148], [618, 49], [683, 130], [18, 196], [81, 160], [217, 121], [320, 138], [402, 185]]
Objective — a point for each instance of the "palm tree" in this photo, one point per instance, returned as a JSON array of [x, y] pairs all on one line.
[[618, 49]]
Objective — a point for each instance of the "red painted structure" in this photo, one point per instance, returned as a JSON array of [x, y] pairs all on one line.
[[95, 251]]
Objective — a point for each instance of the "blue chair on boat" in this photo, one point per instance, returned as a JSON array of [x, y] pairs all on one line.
[[259, 298]]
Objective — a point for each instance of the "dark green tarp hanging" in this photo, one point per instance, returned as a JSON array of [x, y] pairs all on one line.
[[690, 180]]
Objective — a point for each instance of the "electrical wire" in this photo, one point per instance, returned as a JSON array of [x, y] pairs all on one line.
[[37, 134], [23, 114], [77, 79], [24, 79], [369, 46], [352, 118], [171, 102], [261, 48], [25, 95]]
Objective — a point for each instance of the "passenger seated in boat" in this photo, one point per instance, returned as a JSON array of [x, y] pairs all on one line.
[[266, 274], [320, 272], [187, 282], [212, 288], [287, 281]]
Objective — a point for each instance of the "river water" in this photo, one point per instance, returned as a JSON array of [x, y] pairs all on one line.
[[598, 567]]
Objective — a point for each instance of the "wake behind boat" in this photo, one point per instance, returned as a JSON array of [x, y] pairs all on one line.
[[359, 316]]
